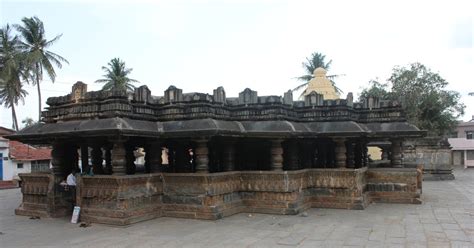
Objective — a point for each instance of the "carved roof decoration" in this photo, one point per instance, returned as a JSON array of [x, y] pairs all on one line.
[[187, 114]]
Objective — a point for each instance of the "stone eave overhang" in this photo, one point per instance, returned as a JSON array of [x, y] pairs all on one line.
[[123, 127]]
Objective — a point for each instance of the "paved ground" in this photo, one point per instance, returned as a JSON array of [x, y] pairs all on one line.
[[445, 219]]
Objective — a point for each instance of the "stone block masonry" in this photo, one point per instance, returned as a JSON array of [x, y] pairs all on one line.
[[123, 200]]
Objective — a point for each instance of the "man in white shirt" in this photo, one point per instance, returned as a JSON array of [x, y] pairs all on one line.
[[71, 178], [71, 183]]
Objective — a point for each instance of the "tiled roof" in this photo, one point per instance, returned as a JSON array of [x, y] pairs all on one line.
[[6, 131], [20, 151]]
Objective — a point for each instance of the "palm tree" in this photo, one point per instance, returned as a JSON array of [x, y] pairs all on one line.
[[116, 76], [39, 58], [11, 70], [28, 121], [315, 61]]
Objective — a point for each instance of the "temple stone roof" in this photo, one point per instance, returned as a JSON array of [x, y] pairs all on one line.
[[178, 114]]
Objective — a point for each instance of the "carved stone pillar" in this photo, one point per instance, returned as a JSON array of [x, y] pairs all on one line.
[[365, 153], [85, 158], [72, 159], [228, 152], [350, 154], [276, 158], [201, 153], [340, 153], [397, 153], [97, 160], [322, 161], [61, 159], [119, 161], [292, 155], [182, 158], [108, 160], [385, 154], [153, 156], [58, 155], [130, 159]]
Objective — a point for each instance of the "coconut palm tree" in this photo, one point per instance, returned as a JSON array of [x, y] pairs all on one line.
[[11, 71], [313, 62], [116, 76], [39, 58], [28, 121]]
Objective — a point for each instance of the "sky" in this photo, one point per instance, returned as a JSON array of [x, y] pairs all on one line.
[[201, 45]]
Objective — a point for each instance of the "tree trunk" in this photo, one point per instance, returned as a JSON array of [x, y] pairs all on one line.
[[39, 94], [14, 120]]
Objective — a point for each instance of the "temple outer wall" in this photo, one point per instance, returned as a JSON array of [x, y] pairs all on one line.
[[123, 200], [435, 155], [42, 197]]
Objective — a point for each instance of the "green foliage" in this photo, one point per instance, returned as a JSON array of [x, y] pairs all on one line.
[[12, 69], [376, 89], [38, 57], [426, 102], [313, 62], [116, 76]]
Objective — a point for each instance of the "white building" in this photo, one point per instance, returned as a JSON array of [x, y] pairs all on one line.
[[17, 157], [463, 144]]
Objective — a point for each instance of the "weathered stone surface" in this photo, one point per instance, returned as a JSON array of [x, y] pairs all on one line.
[[434, 154], [394, 185], [42, 197], [198, 131], [123, 200]]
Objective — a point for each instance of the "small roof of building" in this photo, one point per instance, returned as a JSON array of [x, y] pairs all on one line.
[[461, 144], [6, 131], [23, 152]]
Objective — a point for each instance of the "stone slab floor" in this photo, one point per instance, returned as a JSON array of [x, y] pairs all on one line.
[[445, 219]]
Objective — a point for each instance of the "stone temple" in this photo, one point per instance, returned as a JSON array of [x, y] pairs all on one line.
[[208, 156]]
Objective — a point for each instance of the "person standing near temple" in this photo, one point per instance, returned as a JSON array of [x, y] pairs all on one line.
[[71, 183], [71, 178]]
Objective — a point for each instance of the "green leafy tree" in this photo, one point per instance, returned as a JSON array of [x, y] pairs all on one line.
[[376, 89], [11, 71], [116, 76], [313, 62], [424, 97], [39, 58]]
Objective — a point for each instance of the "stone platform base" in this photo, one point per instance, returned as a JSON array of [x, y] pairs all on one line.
[[438, 175], [123, 200], [42, 198]]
